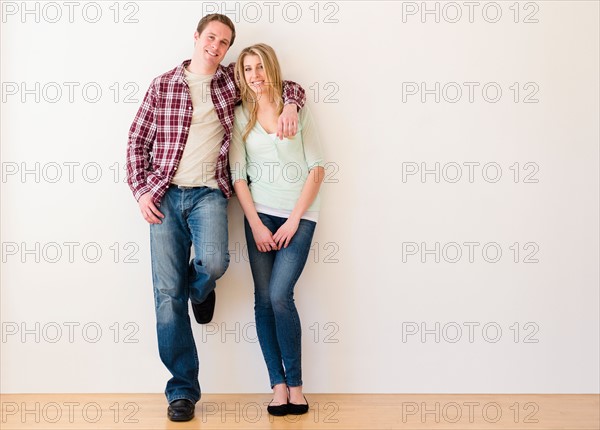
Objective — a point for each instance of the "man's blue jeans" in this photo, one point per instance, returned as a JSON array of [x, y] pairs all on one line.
[[275, 274], [193, 217]]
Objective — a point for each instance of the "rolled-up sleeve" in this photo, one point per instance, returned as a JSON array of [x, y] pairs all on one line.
[[293, 93]]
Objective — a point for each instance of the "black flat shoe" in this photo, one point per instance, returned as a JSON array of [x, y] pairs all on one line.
[[203, 312], [181, 410], [294, 409], [279, 410]]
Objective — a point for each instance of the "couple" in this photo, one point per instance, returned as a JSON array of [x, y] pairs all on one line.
[[180, 169]]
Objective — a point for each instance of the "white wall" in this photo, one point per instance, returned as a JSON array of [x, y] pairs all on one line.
[[366, 289]]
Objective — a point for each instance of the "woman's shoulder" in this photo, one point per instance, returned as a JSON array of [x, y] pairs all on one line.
[[239, 110], [304, 116], [240, 114]]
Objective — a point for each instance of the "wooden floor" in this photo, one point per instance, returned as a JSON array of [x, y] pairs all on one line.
[[327, 411]]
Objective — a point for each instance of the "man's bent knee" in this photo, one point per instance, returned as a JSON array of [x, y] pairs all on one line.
[[215, 265]]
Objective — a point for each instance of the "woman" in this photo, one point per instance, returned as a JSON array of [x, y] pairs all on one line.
[[281, 209]]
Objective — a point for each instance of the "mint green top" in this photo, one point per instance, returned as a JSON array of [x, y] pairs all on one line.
[[277, 169]]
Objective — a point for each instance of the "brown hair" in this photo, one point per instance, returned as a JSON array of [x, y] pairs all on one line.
[[273, 71], [220, 18]]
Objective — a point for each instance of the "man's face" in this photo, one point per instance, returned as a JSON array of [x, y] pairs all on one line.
[[213, 43]]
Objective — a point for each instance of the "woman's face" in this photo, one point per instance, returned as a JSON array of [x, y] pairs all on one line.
[[254, 73]]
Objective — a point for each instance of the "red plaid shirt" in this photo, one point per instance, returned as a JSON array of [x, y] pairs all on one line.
[[161, 127]]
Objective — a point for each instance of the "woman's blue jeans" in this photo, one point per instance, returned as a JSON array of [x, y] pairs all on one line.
[[193, 217], [275, 274]]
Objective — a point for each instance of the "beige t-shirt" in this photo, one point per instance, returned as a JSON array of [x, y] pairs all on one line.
[[198, 162]]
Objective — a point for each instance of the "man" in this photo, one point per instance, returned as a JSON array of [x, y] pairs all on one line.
[[177, 169]]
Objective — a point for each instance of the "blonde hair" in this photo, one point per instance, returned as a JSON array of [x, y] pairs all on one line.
[[272, 70]]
